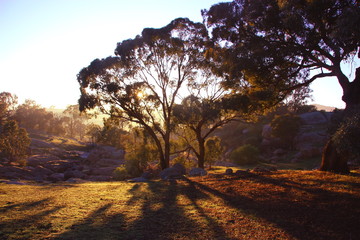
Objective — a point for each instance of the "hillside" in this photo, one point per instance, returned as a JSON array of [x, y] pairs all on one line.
[[247, 205]]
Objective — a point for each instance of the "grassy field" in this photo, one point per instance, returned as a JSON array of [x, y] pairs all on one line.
[[277, 205]]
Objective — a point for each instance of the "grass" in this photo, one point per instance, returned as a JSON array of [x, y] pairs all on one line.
[[277, 205]]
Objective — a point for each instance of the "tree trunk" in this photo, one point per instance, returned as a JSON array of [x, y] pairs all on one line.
[[201, 157], [331, 159], [166, 162]]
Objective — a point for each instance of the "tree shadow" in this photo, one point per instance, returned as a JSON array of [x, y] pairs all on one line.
[[325, 216], [98, 225], [29, 224]]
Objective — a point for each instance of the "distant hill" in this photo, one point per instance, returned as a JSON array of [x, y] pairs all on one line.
[[324, 108]]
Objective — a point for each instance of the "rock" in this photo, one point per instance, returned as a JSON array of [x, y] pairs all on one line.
[[75, 180], [41, 171], [56, 177], [229, 171], [180, 168], [15, 183], [266, 132], [313, 118], [260, 170], [107, 162], [138, 179], [106, 171], [61, 165], [37, 143], [197, 172], [146, 175], [74, 174], [14, 172], [310, 139], [176, 171], [99, 178], [309, 152], [279, 152], [37, 160]]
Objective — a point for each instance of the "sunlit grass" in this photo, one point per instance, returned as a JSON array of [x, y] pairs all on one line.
[[275, 205]]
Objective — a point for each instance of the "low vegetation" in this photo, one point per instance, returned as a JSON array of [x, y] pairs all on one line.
[[272, 205]]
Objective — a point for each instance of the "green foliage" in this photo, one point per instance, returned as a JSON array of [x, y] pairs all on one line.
[[14, 141], [137, 160], [245, 154], [346, 138], [184, 160], [111, 134], [213, 150], [286, 127], [121, 173]]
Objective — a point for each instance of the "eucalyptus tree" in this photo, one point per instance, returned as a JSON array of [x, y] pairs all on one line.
[[144, 79], [277, 46], [209, 107]]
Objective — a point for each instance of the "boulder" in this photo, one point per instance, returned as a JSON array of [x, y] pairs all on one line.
[[74, 174], [176, 171], [14, 172], [60, 166], [229, 171], [75, 180], [56, 177], [197, 172], [310, 139], [313, 118], [99, 178], [106, 171], [107, 162], [41, 172], [266, 132], [138, 179], [37, 160]]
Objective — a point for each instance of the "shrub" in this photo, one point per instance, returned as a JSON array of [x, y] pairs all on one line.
[[137, 160], [213, 150], [346, 137], [120, 173], [246, 154], [14, 141], [285, 127]]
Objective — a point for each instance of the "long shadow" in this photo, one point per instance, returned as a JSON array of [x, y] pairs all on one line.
[[167, 219], [98, 225], [311, 220], [23, 206], [29, 225]]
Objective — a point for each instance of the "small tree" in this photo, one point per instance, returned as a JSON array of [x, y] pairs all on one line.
[[213, 150], [286, 127], [245, 154], [14, 141]]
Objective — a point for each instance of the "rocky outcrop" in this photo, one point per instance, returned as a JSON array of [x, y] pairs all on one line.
[[176, 171], [96, 165], [197, 172]]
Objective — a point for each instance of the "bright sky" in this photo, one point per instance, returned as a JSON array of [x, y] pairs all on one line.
[[45, 43]]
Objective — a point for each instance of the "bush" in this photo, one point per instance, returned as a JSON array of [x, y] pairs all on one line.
[[137, 160], [120, 173], [14, 141], [246, 154], [213, 150], [346, 137], [285, 127]]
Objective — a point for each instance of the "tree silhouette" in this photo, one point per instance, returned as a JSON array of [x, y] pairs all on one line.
[[278, 46], [143, 80]]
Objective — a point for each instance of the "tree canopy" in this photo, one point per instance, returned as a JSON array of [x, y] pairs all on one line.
[[279, 46], [142, 82]]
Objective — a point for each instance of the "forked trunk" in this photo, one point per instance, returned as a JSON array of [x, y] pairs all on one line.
[[331, 159]]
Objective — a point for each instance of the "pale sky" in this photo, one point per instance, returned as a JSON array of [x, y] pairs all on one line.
[[45, 43]]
